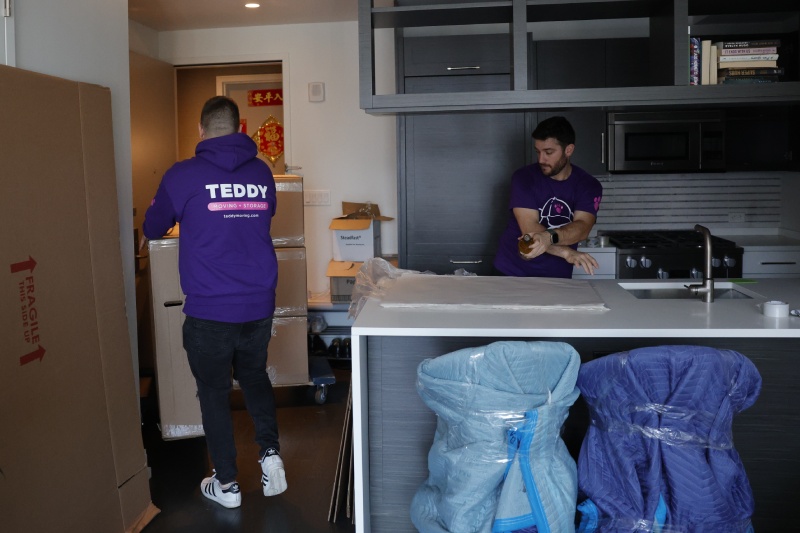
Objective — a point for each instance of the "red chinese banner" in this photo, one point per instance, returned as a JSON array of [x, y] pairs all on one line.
[[243, 125], [269, 139], [262, 97]]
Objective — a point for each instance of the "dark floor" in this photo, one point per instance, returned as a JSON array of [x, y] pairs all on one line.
[[310, 436]]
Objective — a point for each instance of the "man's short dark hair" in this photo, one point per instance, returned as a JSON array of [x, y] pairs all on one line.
[[220, 116], [557, 128]]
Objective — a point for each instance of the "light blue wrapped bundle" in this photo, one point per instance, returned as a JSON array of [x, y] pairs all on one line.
[[498, 463]]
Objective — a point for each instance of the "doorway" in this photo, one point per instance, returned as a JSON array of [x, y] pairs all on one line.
[[165, 109], [258, 90]]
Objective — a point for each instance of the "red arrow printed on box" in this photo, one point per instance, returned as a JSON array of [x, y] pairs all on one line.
[[28, 265], [33, 356]]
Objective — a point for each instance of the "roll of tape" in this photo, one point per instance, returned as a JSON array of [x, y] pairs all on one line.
[[776, 308]]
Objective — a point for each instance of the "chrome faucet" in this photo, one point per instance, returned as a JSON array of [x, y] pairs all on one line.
[[707, 287]]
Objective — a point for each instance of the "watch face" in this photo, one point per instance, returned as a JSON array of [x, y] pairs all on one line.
[[553, 236]]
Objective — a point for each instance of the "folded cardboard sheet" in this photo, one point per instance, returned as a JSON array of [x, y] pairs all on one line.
[[491, 292]]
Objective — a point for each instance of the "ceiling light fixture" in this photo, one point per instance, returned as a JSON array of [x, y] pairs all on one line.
[[252, 5]]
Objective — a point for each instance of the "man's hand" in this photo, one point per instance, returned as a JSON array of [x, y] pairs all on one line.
[[539, 244], [582, 260]]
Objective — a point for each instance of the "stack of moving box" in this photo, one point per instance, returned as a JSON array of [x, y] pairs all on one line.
[[288, 349]]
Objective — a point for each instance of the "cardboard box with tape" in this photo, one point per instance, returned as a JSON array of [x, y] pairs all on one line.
[[357, 233]]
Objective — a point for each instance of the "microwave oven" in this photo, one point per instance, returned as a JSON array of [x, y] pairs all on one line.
[[674, 141]]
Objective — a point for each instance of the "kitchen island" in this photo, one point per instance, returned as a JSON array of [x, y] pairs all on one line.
[[393, 429]]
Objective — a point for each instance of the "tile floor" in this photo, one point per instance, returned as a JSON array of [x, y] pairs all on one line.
[[310, 437]]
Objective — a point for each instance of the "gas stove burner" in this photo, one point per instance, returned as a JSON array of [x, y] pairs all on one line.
[[672, 254], [663, 240]]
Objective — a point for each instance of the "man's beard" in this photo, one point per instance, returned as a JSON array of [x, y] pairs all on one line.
[[558, 167]]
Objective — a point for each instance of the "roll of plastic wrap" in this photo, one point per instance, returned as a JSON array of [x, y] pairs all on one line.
[[776, 308]]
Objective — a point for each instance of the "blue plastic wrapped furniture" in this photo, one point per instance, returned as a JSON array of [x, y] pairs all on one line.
[[659, 454], [497, 463]]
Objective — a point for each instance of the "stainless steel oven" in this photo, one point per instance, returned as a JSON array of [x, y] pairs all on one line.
[[675, 141]]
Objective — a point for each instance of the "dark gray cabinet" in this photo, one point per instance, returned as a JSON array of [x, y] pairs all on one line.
[[454, 179], [458, 170], [457, 55], [665, 59]]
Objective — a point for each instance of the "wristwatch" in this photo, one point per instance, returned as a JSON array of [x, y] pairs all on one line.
[[553, 236]]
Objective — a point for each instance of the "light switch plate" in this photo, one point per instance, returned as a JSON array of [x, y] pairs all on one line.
[[317, 197]]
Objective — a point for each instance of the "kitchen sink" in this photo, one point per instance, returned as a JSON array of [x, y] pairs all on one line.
[[724, 290]]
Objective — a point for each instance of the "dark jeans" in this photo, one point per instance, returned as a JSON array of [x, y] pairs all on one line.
[[214, 348]]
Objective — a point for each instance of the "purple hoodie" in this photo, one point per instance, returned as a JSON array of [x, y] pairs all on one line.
[[224, 199]]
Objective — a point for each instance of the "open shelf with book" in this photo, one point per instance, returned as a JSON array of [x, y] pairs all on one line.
[[519, 25]]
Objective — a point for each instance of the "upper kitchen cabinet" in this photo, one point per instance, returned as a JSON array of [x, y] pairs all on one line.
[[634, 52]]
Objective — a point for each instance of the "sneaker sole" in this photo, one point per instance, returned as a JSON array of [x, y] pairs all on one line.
[[277, 482]]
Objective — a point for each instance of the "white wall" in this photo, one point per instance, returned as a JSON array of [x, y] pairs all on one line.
[[87, 40], [338, 146]]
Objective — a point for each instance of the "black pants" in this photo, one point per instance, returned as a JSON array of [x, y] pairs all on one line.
[[214, 348]]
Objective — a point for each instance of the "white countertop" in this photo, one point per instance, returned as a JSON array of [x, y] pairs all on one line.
[[765, 242], [627, 316]]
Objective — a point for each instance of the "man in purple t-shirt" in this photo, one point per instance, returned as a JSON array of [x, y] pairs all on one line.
[[553, 206], [225, 198]]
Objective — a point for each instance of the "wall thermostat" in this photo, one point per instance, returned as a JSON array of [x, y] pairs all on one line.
[[316, 91]]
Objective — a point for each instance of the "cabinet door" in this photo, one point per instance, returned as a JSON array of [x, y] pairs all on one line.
[[761, 138], [458, 171], [457, 55], [589, 125]]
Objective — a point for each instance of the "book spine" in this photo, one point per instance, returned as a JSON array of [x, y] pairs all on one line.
[[759, 43], [733, 72], [754, 57], [694, 61], [748, 81], [749, 51]]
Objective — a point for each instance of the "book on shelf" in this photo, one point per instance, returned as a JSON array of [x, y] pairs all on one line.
[[747, 51], [754, 43], [753, 57], [751, 64], [694, 61], [705, 62], [769, 71], [713, 74], [747, 80]]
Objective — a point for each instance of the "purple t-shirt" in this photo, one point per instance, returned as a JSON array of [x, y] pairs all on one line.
[[556, 202], [224, 199]]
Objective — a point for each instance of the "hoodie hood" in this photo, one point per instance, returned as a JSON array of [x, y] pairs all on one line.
[[228, 152]]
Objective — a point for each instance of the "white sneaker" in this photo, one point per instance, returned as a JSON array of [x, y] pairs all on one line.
[[230, 497], [273, 477]]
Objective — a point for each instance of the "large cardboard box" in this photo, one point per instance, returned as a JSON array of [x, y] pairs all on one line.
[[287, 224], [287, 362], [291, 295], [178, 406], [342, 276], [356, 235], [71, 452]]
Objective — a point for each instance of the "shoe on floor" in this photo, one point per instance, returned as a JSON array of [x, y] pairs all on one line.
[[273, 477], [230, 497]]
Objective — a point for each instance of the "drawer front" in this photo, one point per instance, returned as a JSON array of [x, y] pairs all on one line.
[[457, 55], [607, 265], [480, 265], [770, 263]]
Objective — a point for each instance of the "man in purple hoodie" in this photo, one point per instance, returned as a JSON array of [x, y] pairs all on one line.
[[224, 199]]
